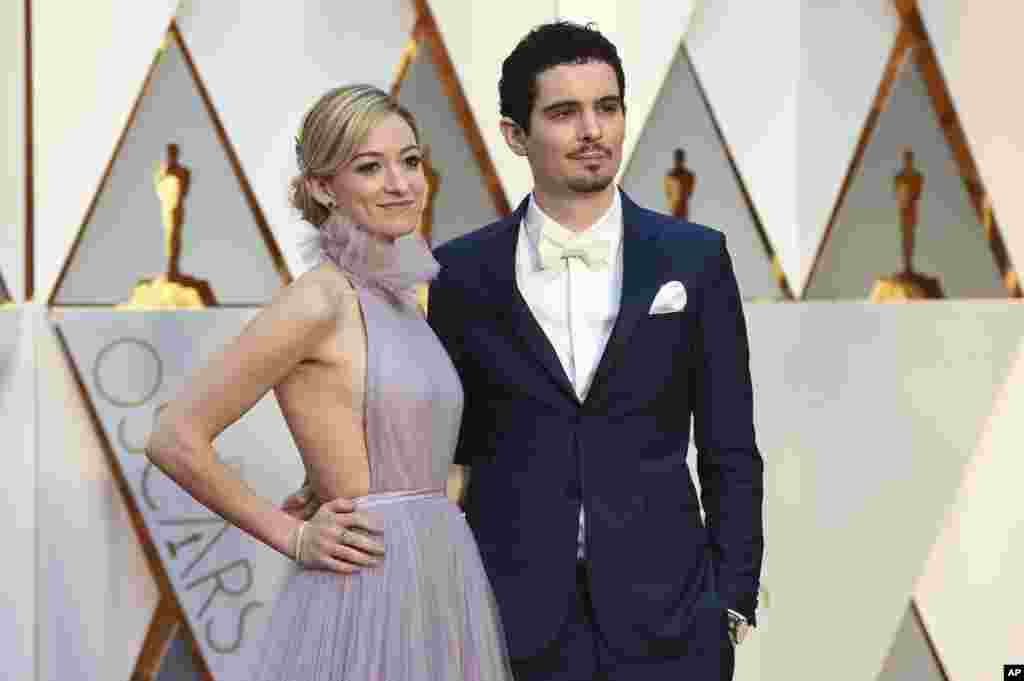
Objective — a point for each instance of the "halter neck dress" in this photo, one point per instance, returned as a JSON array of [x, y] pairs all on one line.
[[427, 612]]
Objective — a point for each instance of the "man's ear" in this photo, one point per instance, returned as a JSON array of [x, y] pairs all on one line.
[[317, 189], [515, 136]]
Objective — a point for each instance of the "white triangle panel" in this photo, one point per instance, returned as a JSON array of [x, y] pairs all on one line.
[[971, 589], [266, 64], [980, 52], [835, 94], [729, 45], [89, 61], [791, 103]]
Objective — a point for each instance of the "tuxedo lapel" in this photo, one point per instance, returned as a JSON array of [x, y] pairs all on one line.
[[508, 299], [641, 274]]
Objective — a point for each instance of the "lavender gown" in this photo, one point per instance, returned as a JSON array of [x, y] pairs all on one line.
[[427, 613]]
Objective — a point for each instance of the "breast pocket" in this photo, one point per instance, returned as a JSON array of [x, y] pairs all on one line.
[[665, 338]]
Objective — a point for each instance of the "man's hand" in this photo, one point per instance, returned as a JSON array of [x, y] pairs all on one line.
[[738, 627]]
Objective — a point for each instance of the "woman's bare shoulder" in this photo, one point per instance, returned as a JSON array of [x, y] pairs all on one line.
[[322, 293]]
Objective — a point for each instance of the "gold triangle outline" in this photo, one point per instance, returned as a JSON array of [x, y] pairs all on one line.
[[169, 615], [766, 244], [913, 42], [277, 258], [426, 38], [29, 156]]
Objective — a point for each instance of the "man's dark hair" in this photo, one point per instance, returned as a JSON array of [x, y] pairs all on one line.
[[548, 45]]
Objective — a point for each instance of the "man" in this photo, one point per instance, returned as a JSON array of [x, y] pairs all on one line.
[[586, 331]]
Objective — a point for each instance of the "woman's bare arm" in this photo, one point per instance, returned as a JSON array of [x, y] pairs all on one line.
[[287, 332]]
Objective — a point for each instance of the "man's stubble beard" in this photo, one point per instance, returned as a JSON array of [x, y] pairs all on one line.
[[590, 185]]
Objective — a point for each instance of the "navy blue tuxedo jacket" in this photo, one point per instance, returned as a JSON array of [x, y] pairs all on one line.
[[537, 453]]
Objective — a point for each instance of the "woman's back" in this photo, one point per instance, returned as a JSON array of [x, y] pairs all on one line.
[[323, 399]]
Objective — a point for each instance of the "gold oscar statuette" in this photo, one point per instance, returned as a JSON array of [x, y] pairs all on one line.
[[907, 284], [679, 184], [171, 289]]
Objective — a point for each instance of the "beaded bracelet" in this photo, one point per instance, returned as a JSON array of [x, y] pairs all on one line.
[[298, 543]]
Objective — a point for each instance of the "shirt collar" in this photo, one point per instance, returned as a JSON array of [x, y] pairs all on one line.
[[607, 227]]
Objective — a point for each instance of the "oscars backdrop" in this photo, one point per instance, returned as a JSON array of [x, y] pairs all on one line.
[[223, 580], [852, 153]]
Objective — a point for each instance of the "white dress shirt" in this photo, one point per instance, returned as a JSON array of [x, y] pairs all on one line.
[[575, 306]]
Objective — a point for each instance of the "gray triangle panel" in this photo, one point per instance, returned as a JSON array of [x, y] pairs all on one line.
[[865, 243], [911, 657], [463, 202], [124, 239], [681, 118]]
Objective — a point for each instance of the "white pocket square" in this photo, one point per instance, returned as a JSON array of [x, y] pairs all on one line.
[[671, 298]]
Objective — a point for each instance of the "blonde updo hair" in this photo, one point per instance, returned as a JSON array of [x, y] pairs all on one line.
[[330, 133]]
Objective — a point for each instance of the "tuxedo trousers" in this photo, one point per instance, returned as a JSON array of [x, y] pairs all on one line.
[[580, 653]]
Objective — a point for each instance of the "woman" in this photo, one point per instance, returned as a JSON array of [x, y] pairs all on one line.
[[373, 403]]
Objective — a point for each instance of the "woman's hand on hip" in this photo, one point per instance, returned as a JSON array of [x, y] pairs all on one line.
[[340, 538]]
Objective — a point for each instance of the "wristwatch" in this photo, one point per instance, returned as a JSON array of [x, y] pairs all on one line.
[[738, 627]]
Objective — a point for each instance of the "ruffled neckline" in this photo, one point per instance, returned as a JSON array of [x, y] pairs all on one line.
[[395, 267]]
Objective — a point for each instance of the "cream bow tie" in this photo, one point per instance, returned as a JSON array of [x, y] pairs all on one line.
[[556, 249]]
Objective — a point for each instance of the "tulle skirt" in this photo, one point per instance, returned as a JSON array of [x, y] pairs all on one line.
[[426, 613]]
